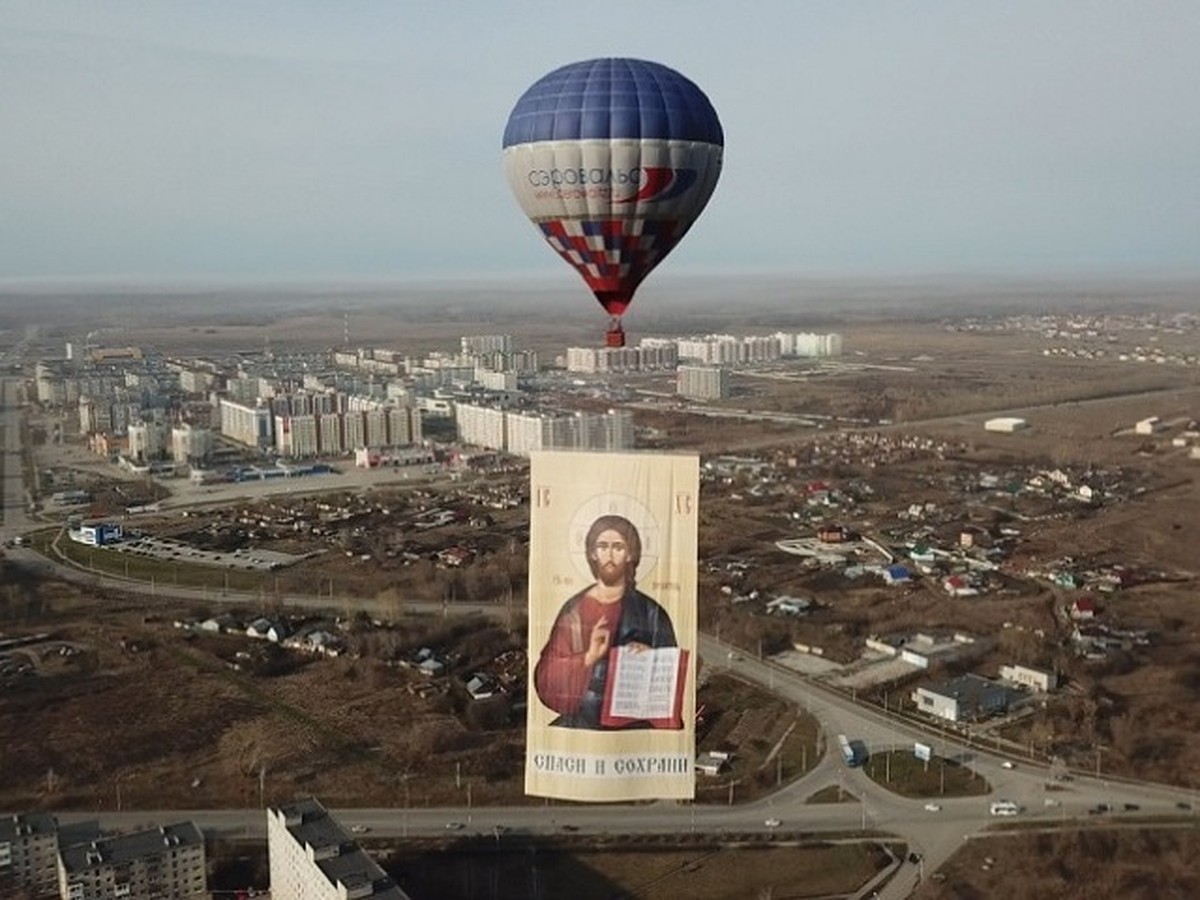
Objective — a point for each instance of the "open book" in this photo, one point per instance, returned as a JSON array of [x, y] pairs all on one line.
[[644, 687]]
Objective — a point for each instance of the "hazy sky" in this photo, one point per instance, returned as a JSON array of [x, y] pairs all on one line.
[[362, 140]]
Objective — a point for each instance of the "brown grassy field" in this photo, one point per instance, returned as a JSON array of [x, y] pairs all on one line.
[[648, 872], [1089, 864], [179, 727], [171, 712]]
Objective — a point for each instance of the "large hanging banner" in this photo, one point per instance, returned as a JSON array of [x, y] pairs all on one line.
[[612, 626]]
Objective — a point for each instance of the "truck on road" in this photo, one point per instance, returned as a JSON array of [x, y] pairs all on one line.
[[853, 752]]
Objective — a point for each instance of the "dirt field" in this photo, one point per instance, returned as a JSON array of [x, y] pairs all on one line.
[[1090, 864], [183, 728], [172, 713], [647, 873]]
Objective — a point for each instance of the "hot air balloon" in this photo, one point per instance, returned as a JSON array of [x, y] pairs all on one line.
[[613, 160]]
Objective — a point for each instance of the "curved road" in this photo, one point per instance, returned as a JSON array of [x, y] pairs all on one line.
[[934, 836]]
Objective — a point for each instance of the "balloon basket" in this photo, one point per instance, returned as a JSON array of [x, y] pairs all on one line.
[[615, 336]]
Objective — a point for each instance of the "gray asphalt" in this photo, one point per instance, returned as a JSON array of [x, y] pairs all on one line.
[[935, 836]]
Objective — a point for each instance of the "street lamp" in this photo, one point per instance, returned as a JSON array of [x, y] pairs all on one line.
[[405, 777]]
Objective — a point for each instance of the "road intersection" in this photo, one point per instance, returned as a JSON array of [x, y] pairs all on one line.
[[931, 836]]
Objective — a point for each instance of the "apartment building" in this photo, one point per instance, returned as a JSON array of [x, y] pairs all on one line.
[[703, 382], [164, 863], [28, 853], [311, 857]]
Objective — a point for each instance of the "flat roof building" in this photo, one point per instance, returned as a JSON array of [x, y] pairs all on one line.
[[164, 863], [1005, 425], [964, 699], [28, 853], [313, 858]]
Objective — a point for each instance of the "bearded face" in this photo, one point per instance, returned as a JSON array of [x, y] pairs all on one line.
[[610, 558]]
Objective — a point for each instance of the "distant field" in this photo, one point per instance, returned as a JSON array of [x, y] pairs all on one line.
[[708, 872]]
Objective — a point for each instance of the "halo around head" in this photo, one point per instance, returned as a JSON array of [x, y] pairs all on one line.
[[614, 504]]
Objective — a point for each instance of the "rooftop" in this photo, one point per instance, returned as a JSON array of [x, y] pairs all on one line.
[[129, 847]]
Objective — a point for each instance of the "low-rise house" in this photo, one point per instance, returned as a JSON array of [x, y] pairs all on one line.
[[481, 686], [964, 699], [428, 663], [1083, 609], [789, 606], [897, 574], [712, 763], [959, 586], [221, 624], [1036, 679], [321, 641], [832, 534], [258, 629]]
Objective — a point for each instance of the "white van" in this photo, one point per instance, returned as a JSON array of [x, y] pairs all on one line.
[[1004, 808]]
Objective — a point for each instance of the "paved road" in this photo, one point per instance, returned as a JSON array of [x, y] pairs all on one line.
[[936, 836]]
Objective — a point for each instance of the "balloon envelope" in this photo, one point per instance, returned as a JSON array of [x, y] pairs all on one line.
[[613, 160]]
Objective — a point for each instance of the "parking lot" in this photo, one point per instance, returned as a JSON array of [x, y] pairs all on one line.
[[167, 550]]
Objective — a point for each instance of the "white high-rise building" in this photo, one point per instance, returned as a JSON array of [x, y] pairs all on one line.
[[808, 344], [483, 426], [296, 436], [486, 343], [329, 435], [496, 381], [311, 857], [703, 382], [190, 444], [250, 425], [647, 355], [528, 432], [147, 441]]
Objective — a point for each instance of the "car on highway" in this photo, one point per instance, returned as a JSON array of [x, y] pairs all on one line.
[[359, 829], [454, 826], [933, 807], [772, 823], [1008, 764], [1004, 808]]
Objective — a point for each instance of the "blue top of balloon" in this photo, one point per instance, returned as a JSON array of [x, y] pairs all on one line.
[[606, 99]]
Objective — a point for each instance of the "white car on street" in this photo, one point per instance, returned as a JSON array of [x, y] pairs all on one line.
[[933, 807], [772, 823]]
